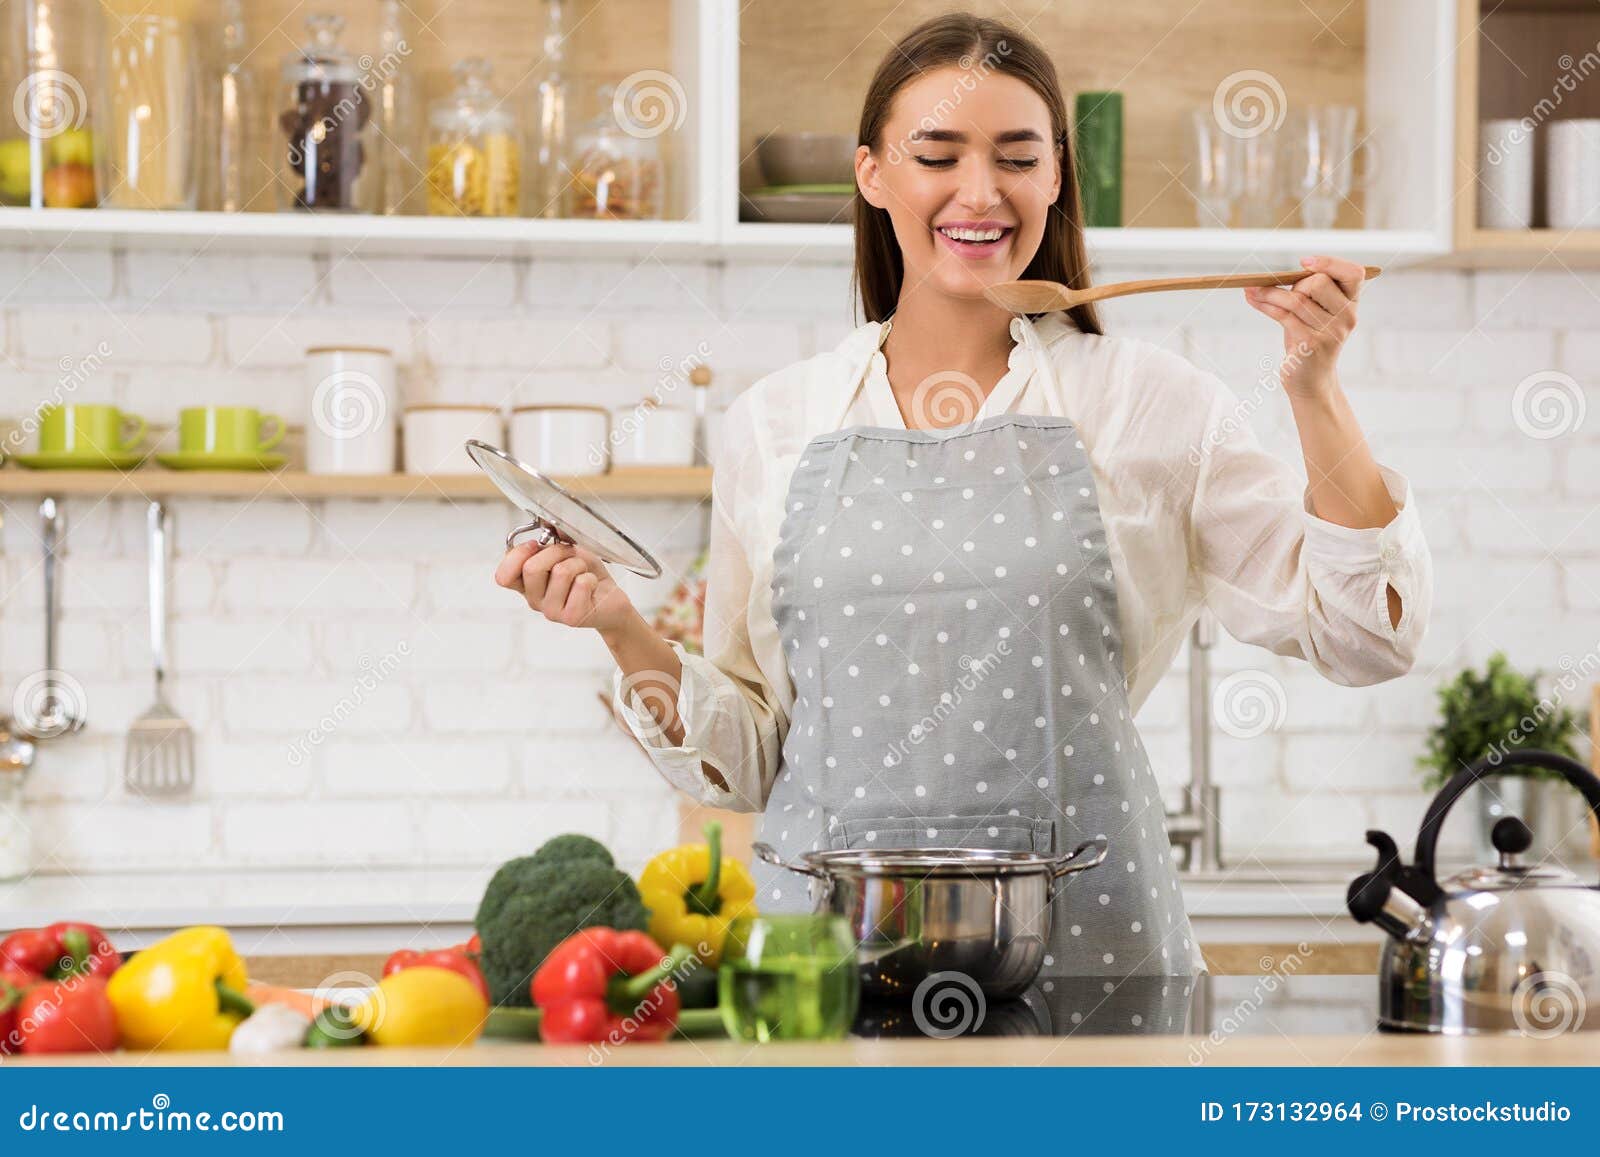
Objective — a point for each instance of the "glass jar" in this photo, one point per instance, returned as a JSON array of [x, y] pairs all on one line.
[[474, 162], [155, 69], [51, 150], [325, 121], [616, 175]]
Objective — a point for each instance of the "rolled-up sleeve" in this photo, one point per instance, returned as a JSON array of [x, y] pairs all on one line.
[[733, 719], [1279, 577]]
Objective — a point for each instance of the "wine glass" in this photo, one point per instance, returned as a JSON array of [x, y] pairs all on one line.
[[789, 977]]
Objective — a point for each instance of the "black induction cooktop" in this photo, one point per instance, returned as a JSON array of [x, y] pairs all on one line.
[[1204, 1007]]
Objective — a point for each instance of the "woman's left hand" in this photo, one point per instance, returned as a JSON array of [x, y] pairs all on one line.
[[1317, 314]]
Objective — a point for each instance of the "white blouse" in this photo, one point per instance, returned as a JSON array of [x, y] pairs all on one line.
[[1195, 512]]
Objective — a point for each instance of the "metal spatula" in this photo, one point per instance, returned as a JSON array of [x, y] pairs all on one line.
[[1049, 296], [159, 761]]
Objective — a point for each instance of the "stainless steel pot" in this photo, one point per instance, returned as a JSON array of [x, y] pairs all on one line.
[[916, 912]]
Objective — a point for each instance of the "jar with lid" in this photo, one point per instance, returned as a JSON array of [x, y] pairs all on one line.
[[474, 163], [325, 122], [616, 166]]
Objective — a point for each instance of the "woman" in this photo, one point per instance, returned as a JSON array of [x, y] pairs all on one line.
[[951, 558]]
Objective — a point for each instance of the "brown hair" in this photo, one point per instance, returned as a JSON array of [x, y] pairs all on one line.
[[969, 42]]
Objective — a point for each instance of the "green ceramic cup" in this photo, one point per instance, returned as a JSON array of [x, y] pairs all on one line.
[[232, 430], [90, 430]]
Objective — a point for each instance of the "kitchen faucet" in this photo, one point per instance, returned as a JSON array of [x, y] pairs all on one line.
[[1197, 827]]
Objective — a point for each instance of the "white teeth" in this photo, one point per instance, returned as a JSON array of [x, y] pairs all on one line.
[[972, 234]]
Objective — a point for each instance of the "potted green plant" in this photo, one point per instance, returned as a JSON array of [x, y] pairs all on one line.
[[1492, 714]]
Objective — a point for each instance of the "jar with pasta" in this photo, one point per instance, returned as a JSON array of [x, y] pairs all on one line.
[[474, 163], [616, 166]]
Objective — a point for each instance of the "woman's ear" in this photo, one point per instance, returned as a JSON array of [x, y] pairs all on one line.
[[869, 178], [1055, 189]]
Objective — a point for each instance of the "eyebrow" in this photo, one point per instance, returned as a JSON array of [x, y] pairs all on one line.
[[1009, 137]]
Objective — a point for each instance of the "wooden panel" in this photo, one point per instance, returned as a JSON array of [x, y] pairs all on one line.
[[806, 67]]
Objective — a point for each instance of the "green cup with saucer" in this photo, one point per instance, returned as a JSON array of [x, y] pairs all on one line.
[[86, 436], [226, 438]]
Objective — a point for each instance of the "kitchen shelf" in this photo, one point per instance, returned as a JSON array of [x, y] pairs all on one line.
[[635, 482], [1518, 75]]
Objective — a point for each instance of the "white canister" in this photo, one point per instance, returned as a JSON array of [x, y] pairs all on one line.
[[651, 434], [1505, 174], [435, 436], [354, 407], [1572, 174], [562, 440]]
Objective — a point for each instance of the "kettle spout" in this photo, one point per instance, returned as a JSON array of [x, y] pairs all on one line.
[[1377, 898]]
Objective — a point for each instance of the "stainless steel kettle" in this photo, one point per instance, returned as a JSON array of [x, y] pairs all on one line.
[[1513, 948]]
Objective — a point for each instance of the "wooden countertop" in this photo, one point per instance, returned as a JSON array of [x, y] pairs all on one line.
[[1275, 1051]]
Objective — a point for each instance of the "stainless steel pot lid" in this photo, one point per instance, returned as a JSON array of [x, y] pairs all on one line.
[[558, 515], [940, 861]]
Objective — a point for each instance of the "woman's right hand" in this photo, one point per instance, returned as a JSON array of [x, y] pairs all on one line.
[[566, 584]]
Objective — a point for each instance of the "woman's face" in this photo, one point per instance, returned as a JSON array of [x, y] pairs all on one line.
[[967, 171]]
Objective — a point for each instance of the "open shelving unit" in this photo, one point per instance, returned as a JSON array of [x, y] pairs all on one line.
[[1514, 57], [741, 63]]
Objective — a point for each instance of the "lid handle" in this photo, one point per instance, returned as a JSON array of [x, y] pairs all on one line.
[[1574, 772], [769, 854]]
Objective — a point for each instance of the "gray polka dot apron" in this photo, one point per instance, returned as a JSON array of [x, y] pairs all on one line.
[[949, 620]]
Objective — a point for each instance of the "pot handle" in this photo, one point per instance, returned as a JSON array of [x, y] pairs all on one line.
[[1574, 772], [1066, 865], [769, 854]]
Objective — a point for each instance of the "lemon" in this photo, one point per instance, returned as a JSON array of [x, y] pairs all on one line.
[[423, 1007]]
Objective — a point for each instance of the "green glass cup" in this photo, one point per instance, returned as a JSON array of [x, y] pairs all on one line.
[[789, 977], [92, 430], [227, 430]]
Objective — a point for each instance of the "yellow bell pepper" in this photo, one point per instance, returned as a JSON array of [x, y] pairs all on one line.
[[184, 992], [694, 893]]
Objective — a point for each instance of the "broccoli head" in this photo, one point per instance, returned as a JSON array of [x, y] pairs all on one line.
[[535, 902]]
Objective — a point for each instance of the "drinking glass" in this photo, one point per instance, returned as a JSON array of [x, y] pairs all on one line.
[[788, 977], [1216, 175], [1322, 144]]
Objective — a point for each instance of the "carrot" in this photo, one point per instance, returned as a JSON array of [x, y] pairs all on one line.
[[307, 1003]]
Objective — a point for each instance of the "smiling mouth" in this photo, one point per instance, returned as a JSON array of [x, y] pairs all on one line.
[[974, 241]]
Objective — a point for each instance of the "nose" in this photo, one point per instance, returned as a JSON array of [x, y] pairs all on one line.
[[978, 192]]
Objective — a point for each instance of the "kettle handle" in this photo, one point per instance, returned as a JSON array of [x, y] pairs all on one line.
[[1574, 772]]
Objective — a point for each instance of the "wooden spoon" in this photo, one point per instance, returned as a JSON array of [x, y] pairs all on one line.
[[1049, 296]]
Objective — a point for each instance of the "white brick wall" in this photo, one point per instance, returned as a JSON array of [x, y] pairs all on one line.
[[483, 736]]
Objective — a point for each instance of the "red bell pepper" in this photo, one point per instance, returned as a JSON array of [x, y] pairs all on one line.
[[67, 948], [67, 1016], [600, 984], [453, 959], [14, 983]]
